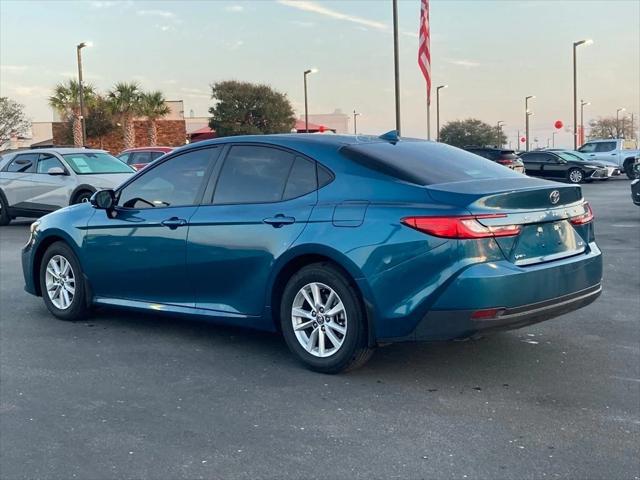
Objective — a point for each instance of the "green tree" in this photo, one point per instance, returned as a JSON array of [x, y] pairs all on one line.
[[244, 108], [607, 127], [153, 106], [66, 100], [125, 101], [12, 120], [100, 120], [462, 133]]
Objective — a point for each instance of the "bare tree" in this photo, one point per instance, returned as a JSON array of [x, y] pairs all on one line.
[[608, 127], [12, 120]]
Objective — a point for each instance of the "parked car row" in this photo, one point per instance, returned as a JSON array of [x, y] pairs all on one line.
[[140, 157]]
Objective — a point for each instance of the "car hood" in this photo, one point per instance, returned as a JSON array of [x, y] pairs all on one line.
[[105, 180]]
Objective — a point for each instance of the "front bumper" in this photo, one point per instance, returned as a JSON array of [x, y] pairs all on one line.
[[599, 174], [27, 269]]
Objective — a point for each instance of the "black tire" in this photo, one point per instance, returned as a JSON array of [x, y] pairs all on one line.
[[628, 169], [5, 218], [78, 306], [354, 350], [575, 175], [82, 196]]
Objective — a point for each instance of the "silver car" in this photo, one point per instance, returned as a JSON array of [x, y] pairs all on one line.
[[36, 182]]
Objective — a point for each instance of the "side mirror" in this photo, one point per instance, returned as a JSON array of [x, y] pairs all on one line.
[[103, 199], [56, 171]]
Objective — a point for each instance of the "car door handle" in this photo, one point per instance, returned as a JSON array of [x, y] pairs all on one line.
[[279, 220], [174, 222], [592, 154]]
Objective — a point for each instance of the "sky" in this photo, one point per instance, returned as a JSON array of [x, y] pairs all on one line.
[[491, 54]]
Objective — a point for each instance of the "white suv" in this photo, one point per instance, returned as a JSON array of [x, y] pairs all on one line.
[[36, 182]]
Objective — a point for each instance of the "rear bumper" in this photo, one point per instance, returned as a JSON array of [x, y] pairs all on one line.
[[520, 295]]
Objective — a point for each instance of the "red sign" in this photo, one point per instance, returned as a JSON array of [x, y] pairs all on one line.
[[558, 124], [523, 139]]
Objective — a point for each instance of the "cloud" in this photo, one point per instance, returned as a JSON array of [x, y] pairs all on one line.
[[170, 82], [313, 7], [28, 91], [194, 93], [234, 8], [156, 13], [13, 68], [303, 24], [103, 4], [463, 63]]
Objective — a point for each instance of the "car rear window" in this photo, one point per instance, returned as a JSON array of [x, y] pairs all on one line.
[[425, 163]]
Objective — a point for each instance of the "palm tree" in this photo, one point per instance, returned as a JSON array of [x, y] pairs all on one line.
[[125, 104], [153, 106], [66, 100]]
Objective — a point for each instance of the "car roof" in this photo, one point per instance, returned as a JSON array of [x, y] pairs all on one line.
[[296, 138], [148, 149], [61, 150]]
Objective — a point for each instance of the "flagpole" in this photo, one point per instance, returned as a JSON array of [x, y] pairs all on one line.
[[396, 64], [428, 120]]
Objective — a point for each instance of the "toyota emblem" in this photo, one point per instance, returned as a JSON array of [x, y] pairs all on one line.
[[554, 197]]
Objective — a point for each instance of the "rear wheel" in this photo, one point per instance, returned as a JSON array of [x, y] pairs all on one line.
[[61, 283], [5, 218], [628, 169], [575, 175], [323, 321]]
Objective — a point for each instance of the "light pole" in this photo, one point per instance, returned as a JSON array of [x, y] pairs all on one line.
[[621, 109], [582, 105], [575, 91], [438, 111], [79, 47], [355, 127], [396, 68], [498, 131], [527, 132], [306, 103], [553, 139], [526, 120]]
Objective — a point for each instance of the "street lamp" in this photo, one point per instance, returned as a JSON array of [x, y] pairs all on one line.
[[582, 105], [526, 120], [79, 47], [575, 91], [621, 109], [498, 130], [553, 139], [306, 104], [355, 128], [438, 111]]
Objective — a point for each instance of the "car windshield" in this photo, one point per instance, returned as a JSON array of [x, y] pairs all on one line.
[[86, 163]]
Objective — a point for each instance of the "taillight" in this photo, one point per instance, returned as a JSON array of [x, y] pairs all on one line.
[[505, 161], [586, 217], [461, 227]]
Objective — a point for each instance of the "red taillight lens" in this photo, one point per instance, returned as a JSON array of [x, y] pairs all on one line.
[[461, 227], [586, 217], [505, 161]]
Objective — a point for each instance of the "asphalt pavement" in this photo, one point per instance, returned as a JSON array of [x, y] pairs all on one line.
[[129, 395]]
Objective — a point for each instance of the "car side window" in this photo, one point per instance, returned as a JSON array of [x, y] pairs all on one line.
[[47, 161], [253, 174], [124, 158], [156, 155], [605, 146], [139, 158], [25, 163], [302, 179], [588, 148], [176, 182]]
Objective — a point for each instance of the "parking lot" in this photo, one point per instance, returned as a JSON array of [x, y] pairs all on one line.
[[138, 396]]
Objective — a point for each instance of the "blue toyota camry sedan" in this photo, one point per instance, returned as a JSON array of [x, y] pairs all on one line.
[[340, 243]]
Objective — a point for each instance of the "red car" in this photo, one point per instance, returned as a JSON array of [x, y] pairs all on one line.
[[140, 157]]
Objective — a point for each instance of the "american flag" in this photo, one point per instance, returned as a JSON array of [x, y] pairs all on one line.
[[424, 49]]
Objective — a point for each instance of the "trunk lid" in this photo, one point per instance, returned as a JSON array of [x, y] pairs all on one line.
[[542, 209]]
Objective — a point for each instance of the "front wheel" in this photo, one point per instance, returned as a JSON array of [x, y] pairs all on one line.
[[323, 321], [5, 218], [61, 283], [575, 175]]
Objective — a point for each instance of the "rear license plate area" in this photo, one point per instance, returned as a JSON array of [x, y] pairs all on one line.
[[545, 242]]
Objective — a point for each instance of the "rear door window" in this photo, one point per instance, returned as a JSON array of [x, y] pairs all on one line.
[[253, 174], [425, 163], [302, 179], [605, 146], [137, 158], [25, 163]]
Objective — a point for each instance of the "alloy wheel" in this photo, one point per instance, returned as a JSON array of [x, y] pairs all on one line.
[[60, 282], [575, 176], [319, 319]]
